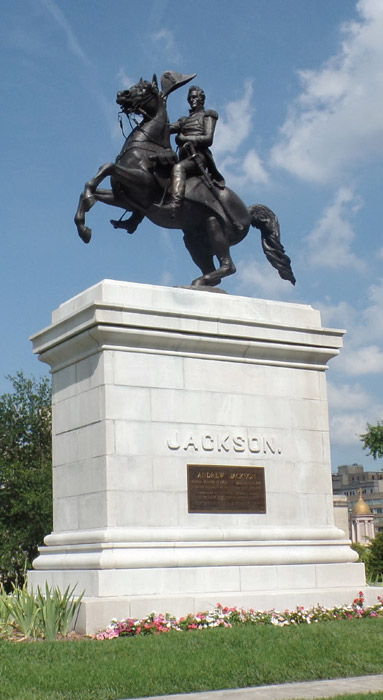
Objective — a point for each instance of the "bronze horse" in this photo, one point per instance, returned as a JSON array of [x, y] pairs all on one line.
[[211, 219]]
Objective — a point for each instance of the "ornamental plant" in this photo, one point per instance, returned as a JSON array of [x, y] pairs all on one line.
[[222, 616], [45, 614]]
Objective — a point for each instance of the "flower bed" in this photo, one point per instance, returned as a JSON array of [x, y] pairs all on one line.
[[222, 616]]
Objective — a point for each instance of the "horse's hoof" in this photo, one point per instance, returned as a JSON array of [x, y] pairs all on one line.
[[203, 282], [85, 233]]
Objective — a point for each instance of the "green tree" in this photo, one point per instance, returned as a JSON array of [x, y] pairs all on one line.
[[364, 555], [376, 555], [25, 474], [373, 439]]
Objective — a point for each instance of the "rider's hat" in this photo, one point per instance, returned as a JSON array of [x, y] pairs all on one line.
[[171, 80]]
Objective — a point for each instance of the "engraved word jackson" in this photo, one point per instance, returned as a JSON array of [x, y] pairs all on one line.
[[223, 442]]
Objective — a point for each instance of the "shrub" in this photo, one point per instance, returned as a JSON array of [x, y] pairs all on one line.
[[32, 615]]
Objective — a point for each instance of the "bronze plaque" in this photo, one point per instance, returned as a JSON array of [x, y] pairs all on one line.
[[226, 489]]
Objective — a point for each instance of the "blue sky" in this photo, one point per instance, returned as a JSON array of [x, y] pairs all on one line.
[[298, 85]]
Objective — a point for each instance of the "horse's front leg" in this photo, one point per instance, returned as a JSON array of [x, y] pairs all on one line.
[[91, 186], [88, 199]]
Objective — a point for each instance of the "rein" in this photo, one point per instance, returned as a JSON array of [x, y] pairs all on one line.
[[140, 128], [133, 146]]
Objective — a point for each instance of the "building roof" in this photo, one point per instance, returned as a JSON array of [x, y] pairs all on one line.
[[361, 507]]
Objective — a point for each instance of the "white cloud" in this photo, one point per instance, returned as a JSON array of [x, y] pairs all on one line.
[[329, 243], [253, 168], [364, 360], [164, 38], [351, 408], [372, 316], [88, 74], [249, 170], [335, 124], [341, 315], [346, 395], [233, 128], [166, 278], [124, 80], [363, 350], [235, 122], [345, 428], [73, 44], [259, 279]]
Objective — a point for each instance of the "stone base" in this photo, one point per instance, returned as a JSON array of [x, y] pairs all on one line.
[[151, 382], [185, 590]]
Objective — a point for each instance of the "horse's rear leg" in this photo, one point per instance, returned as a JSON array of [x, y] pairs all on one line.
[[200, 252], [220, 247]]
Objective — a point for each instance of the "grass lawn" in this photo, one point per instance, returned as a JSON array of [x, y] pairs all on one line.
[[179, 662]]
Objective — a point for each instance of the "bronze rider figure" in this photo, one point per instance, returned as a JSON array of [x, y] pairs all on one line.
[[195, 135]]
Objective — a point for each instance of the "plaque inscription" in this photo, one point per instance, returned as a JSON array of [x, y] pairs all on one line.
[[222, 489]]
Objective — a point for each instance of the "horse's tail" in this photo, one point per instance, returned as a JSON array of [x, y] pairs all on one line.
[[265, 220]]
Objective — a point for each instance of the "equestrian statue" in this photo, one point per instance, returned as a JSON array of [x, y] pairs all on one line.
[[184, 191]]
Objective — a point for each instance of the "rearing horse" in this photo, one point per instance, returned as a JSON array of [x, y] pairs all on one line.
[[212, 219]]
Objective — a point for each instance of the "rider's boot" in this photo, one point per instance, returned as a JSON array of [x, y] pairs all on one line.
[[129, 225], [178, 190]]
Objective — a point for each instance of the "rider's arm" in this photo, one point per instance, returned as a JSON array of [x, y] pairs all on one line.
[[175, 128], [202, 140]]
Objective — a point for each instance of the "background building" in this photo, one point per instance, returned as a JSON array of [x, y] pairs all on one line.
[[362, 522], [350, 479]]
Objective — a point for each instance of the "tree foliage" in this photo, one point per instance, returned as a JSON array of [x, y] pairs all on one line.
[[373, 439], [376, 555], [25, 474], [364, 555]]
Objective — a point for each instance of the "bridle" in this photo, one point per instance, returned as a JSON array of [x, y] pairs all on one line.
[[138, 102], [136, 108]]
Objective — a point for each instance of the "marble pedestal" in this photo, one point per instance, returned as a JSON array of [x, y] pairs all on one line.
[[147, 380]]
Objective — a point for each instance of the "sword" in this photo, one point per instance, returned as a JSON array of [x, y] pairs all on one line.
[[206, 178]]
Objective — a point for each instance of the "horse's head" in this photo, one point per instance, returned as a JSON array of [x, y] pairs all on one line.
[[141, 98]]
